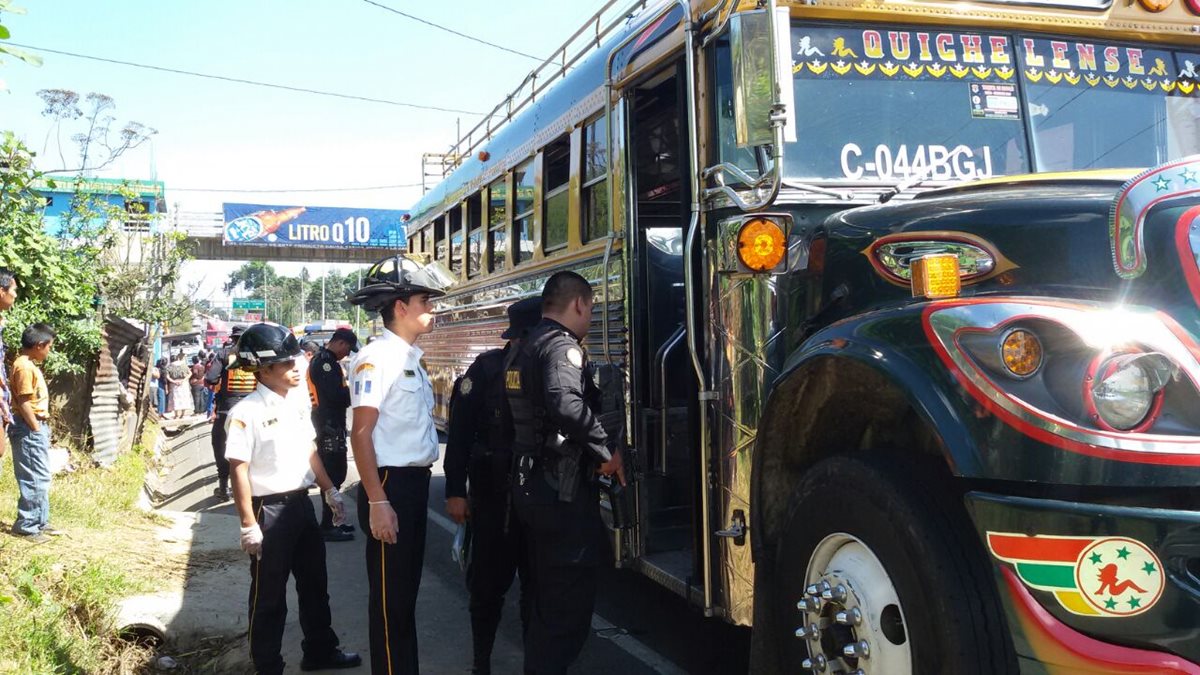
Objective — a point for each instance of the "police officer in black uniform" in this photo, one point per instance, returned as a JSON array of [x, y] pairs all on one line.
[[479, 447], [232, 385], [330, 400], [559, 446]]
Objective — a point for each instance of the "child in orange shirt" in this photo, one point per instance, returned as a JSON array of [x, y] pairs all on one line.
[[29, 434]]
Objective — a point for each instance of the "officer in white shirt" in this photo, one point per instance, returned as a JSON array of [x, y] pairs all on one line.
[[273, 462], [394, 443]]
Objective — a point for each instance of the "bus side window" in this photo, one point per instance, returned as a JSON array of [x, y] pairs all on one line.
[[498, 224], [595, 187], [474, 235], [523, 178], [455, 235], [439, 239], [557, 163]]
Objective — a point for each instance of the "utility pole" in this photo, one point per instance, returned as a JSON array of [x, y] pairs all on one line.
[[323, 277]]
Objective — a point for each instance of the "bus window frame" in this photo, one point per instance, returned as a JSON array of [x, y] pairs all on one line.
[[505, 226], [439, 236], [532, 216], [459, 208], [589, 186], [427, 240], [549, 193], [473, 227]]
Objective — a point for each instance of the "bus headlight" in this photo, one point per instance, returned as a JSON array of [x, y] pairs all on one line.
[[1124, 390]]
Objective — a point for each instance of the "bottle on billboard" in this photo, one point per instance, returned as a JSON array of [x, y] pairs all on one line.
[[259, 224]]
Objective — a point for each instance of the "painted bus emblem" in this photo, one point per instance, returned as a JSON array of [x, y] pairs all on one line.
[[1089, 576]]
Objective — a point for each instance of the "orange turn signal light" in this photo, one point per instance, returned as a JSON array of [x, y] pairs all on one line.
[[1021, 352], [936, 276], [761, 245]]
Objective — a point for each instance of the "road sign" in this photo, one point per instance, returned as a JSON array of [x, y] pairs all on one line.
[[249, 305], [251, 317]]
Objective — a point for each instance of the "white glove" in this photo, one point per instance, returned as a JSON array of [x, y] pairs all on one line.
[[252, 540], [334, 500]]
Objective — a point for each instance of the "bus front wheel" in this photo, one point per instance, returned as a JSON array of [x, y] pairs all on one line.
[[879, 571]]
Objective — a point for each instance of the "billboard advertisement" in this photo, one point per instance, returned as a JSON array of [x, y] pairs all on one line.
[[323, 226]]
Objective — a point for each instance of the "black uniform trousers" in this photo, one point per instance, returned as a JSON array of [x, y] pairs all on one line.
[[218, 446], [564, 544], [394, 570], [291, 544], [497, 556], [331, 448], [223, 405]]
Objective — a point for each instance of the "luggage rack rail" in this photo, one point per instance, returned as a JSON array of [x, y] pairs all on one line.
[[581, 43]]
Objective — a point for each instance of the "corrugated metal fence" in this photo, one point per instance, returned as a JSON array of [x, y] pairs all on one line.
[[120, 394]]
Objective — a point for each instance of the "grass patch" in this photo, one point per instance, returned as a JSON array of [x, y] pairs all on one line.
[[57, 600]]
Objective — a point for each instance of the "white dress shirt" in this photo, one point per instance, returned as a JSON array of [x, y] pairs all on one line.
[[274, 435], [387, 375]]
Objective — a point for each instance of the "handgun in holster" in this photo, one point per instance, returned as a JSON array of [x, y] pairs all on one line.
[[563, 472]]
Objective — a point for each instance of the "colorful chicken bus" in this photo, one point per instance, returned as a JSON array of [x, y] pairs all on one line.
[[901, 304]]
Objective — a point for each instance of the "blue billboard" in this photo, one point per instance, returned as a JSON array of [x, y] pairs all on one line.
[[325, 226]]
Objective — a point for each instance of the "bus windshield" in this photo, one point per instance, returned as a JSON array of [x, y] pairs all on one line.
[[885, 105], [1097, 106]]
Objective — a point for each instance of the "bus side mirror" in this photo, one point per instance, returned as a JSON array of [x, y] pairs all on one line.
[[761, 56]]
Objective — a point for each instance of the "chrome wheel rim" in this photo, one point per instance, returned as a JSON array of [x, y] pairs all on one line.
[[850, 618]]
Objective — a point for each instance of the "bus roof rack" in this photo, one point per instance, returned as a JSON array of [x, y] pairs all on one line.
[[581, 43]]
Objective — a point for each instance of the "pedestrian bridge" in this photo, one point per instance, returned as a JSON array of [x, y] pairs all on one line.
[[204, 240]]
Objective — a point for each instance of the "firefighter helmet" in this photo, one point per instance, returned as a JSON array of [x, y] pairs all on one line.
[[263, 344], [395, 277]]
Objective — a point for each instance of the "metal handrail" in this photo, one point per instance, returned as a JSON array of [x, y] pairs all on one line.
[[663, 353], [540, 78]]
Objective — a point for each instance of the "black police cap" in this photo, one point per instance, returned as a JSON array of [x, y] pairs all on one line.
[[522, 316]]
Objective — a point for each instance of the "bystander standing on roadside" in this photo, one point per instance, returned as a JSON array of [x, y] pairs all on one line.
[[232, 385], [196, 381], [180, 392], [8, 297], [160, 383], [30, 434]]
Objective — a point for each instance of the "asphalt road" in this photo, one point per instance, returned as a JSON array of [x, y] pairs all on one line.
[[656, 631]]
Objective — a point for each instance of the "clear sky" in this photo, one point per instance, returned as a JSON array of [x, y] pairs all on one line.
[[224, 135]]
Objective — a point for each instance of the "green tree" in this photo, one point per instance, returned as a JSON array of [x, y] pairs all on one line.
[[253, 277], [59, 283]]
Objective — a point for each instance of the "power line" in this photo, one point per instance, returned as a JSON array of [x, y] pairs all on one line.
[[337, 189], [239, 80], [452, 31]]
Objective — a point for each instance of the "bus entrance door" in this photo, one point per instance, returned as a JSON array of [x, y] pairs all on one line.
[[662, 378]]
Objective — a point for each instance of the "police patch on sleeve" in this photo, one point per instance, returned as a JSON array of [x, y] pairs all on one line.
[[575, 357], [326, 367], [466, 386]]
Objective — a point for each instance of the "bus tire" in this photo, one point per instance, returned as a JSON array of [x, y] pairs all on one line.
[[879, 565]]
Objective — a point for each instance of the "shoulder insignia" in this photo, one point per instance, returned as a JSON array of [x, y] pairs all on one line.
[[575, 357], [364, 366], [240, 424], [466, 386], [326, 367], [410, 373]]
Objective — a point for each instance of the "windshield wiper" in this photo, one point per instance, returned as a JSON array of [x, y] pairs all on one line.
[[844, 196]]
